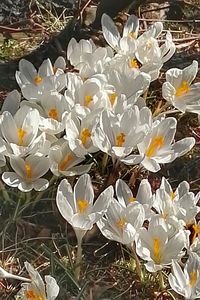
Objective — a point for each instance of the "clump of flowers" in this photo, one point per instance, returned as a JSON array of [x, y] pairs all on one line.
[[66, 123]]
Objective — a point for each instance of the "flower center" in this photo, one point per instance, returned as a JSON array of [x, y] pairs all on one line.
[[196, 231], [37, 79], [82, 205], [85, 135], [112, 98], [87, 100], [156, 250], [32, 295], [21, 135], [149, 44], [121, 223], [132, 34], [131, 199], [53, 113], [165, 215], [28, 170], [65, 162], [183, 89], [134, 64], [120, 139], [172, 195], [193, 278], [156, 143]]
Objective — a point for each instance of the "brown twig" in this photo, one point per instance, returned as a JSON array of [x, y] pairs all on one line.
[[14, 30], [174, 21]]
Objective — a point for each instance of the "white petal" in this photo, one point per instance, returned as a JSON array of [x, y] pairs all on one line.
[[65, 200], [40, 184], [110, 31], [183, 146], [83, 189], [11, 179], [52, 287]]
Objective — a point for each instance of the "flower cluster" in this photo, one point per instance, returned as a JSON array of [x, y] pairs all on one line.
[[64, 118]]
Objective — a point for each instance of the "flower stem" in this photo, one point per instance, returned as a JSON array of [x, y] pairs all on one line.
[[78, 259], [114, 175], [4, 192], [137, 261], [161, 280]]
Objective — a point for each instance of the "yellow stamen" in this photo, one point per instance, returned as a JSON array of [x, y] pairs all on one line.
[[29, 171], [172, 195], [165, 215], [134, 63], [156, 143], [112, 98], [156, 250], [183, 89], [131, 199], [120, 139], [121, 223], [85, 135], [64, 162], [40, 297], [149, 44], [193, 278], [53, 113], [132, 34], [21, 135], [87, 100], [32, 295], [196, 231], [37, 80], [82, 205]]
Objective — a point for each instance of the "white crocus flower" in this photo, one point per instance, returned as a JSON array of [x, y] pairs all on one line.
[[150, 56], [84, 97], [20, 132], [128, 82], [78, 134], [37, 289], [115, 136], [186, 282], [144, 195], [182, 189], [164, 205], [122, 223], [179, 91], [158, 147], [54, 105], [33, 84], [148, 49], [94, 63], [126, 43], [182, 201], [157, 246], [28, 173], [77, 206], [76, 50], [64, 162]]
